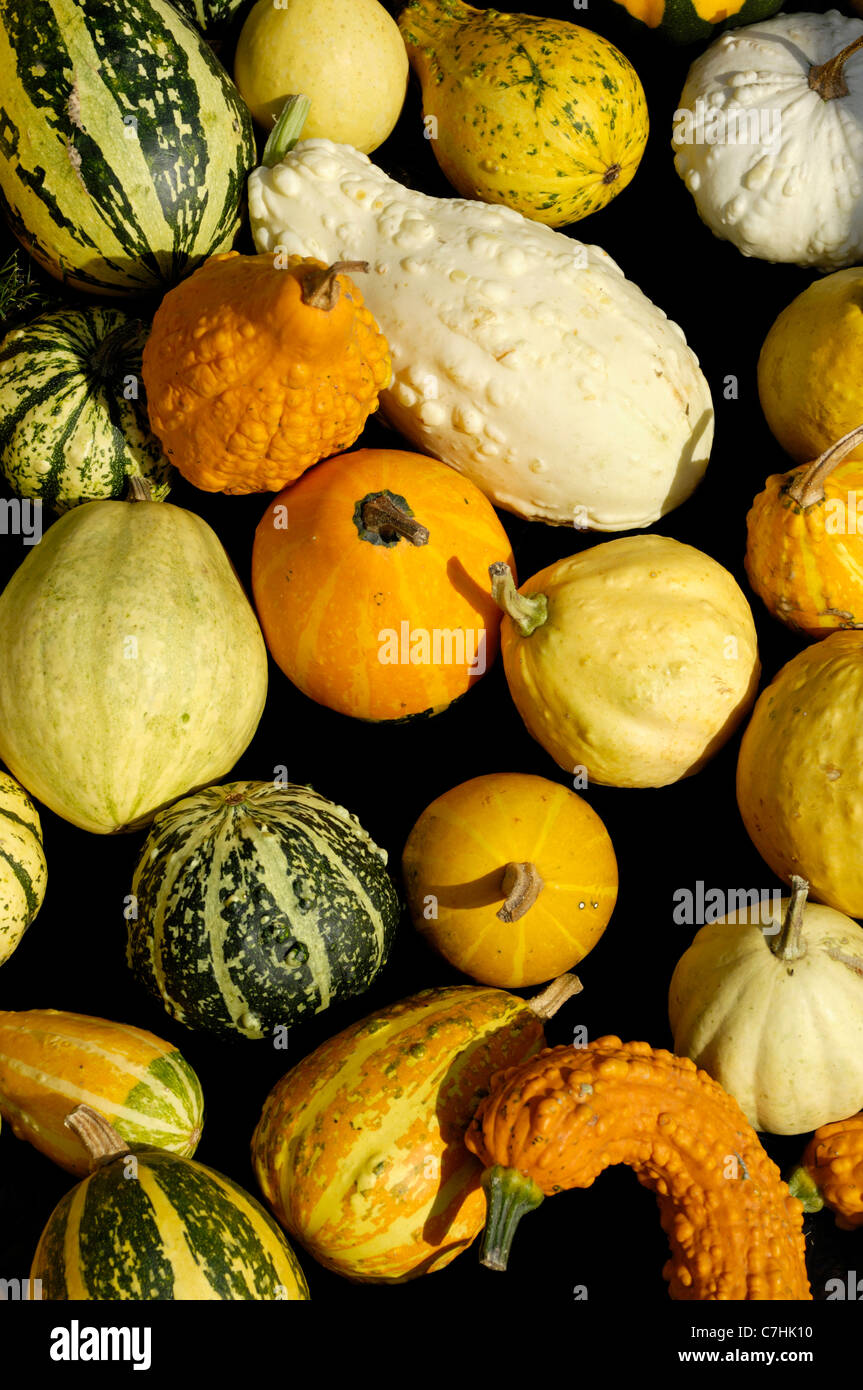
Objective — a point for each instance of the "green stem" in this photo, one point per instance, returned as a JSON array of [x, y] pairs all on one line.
[[787, 945], [287, 130], [509, 1194], [803, 1186], [528, 612]]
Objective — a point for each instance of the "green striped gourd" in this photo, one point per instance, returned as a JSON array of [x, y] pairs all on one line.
[[149, 1225], [123, 146], [51, 1061], [257, 906], [73, 414], [211, 16], [132, 667], [23, 872]]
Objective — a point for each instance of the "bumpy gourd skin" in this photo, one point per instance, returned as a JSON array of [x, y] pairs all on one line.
[[834, 1161], [247, 385], [564, 1116], [800, 561]]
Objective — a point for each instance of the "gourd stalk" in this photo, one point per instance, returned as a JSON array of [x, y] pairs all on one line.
[[807, 488], [528, 612]]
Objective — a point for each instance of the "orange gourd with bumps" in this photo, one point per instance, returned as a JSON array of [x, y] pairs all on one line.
[[255, 371]]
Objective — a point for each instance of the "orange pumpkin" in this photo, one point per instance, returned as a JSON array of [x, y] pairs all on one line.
[[254, 371], [804, 551], [371, 582], [511, 877]]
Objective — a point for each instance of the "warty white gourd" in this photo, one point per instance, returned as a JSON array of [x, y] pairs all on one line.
[[775, 165], [524, 359]]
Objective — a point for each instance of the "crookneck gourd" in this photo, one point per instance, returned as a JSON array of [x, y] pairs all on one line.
[[556, 1121], [830, 1173], [257, 367]]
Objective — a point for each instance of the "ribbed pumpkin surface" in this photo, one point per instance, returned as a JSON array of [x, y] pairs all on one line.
[[359, 1149], [258, 906], [23, 872], [123, 145], [51, 1061], [177, 1230], [73, 415], [131, 664]]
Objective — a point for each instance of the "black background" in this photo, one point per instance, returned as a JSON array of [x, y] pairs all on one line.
[[608, 1238]]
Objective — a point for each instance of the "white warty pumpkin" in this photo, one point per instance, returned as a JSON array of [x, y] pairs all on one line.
[[776, 165], [521, 357]]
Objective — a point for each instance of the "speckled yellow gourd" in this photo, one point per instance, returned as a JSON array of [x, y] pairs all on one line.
[[539, 114]]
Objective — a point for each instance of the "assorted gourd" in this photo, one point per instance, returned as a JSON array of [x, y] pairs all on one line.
[[531, 375]]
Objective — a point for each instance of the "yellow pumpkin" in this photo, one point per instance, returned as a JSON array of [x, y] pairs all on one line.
[[511, 877], [810, 370], [804, 551], [539, 114], [634, 660], [800, 772]]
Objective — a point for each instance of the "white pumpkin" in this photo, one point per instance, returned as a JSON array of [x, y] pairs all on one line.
[[770, 1004], [775, 164], [522, 358]]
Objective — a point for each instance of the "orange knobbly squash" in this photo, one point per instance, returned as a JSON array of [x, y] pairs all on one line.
[[556, 1121], [254, 372], [831, 1172]]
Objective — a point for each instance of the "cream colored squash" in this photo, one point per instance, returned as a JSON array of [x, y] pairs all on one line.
[[635, 659], [521, 357], [132, 667], [770, 1004], [775, 164]]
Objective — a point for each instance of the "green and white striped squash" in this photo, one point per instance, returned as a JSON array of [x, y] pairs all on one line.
[[124, 145], [73, 413], [23, 872], [51, 1061], [148, 1225], [258, 906], [132, 667]]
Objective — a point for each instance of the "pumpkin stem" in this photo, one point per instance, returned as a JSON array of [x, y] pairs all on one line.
[[554, 996], [528, 612], [807, 487], [787, 945], [388, 518], [803, 1186], [509, 1194], [319, 287], [521, 885], [99, 1139], [287, 130], [828, 79], [139, 489]]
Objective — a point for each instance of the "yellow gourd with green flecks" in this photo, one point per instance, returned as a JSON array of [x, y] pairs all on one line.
[[539, 114]]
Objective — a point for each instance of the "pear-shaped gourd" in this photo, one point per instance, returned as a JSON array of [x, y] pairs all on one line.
[[132, 668], [770, 1004]]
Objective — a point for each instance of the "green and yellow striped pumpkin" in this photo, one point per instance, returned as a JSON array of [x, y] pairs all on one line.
[[51, 1061], [148, 1225], [687, 21], [124, 145], [73, 414], [23, 871], [257, 906], [212, 17]]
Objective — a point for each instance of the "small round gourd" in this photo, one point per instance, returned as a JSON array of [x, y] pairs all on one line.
[[771, 1006], [371, 582], [634, 660], [800, 771], [511, 877], [23, 871], [257, 906], [148, 1224], [804, 550]]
